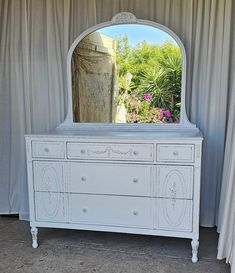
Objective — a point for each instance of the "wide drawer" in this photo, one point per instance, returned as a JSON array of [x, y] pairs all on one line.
[[112, 151], [175, 153], [47, 149], [174, 182], [116, 179], [49, 207], [173, 214], [111, 210]]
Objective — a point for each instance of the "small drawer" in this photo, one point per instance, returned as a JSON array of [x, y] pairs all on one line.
[[112, 151], [175, 153], [47, 149], [117, 179], [173, 214], [111, 210], [174, 182]]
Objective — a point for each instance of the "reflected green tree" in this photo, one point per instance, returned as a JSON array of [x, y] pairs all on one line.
[[156, 80]]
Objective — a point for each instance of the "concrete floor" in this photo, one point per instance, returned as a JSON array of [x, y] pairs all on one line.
[[71, 251]]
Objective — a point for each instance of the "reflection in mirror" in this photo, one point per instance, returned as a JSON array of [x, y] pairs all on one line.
[[129, 73]]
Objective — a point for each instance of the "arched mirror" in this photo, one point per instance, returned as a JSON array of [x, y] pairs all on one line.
[[127, 73]]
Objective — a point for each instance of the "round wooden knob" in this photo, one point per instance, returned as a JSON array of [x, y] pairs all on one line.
[[83, 151], [175, 153], [135, 180], [47, 150]]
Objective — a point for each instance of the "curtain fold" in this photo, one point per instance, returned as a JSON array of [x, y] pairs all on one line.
[[13, 104], [35, 37], [34, 42], [226, 246], [226, 219]]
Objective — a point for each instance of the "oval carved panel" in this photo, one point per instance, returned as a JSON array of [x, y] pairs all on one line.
[[174, 185], [174, 211], [174, 182], [51, 204], [50, 180]]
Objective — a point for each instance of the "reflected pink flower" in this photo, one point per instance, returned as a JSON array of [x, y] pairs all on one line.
[[148, 96], [167, 113]]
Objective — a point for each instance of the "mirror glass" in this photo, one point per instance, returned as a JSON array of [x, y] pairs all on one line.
[[128, 73]]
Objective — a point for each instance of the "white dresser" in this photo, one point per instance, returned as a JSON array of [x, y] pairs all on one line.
[[143, 183], [140, 177]]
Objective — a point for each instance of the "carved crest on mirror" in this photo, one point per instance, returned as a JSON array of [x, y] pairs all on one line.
[[123, 18], [97, 60]]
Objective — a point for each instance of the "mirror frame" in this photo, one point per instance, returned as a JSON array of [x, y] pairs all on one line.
[[118, 19]]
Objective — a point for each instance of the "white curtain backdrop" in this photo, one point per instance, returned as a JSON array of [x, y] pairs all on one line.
[[226, 247], [34, 40], [33, 45]]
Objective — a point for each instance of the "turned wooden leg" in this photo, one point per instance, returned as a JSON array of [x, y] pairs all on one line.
[[34, 232], [194, 244]]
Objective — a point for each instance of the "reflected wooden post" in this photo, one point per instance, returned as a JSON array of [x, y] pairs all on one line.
[[95, 84]]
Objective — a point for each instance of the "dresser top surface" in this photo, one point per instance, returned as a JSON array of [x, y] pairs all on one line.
[[122, 134]]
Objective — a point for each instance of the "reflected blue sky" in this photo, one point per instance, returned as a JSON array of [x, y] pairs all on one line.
[[138, 33]]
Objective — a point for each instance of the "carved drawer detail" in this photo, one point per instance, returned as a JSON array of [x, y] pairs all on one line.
[[49, 206], [135, 152], [175, 153], [174, 214], [174, 182], [119, 179], [47, 149], [112, 151], [111, 210], [48, 176]]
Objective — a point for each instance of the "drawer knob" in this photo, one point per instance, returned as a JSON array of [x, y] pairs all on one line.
[[135, 152], [47, 150], [83, 178], [84, 210], [135, 180], [83, 151], [175, 153], [135, 213]]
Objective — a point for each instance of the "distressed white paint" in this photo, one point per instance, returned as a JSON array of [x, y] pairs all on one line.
[[131, 178], [48, 149], [49, 206], [175, 152], [102, 178], [133, 152], [174, 181], [48, 176], [174, 214], [116, 193], [111, 210]]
